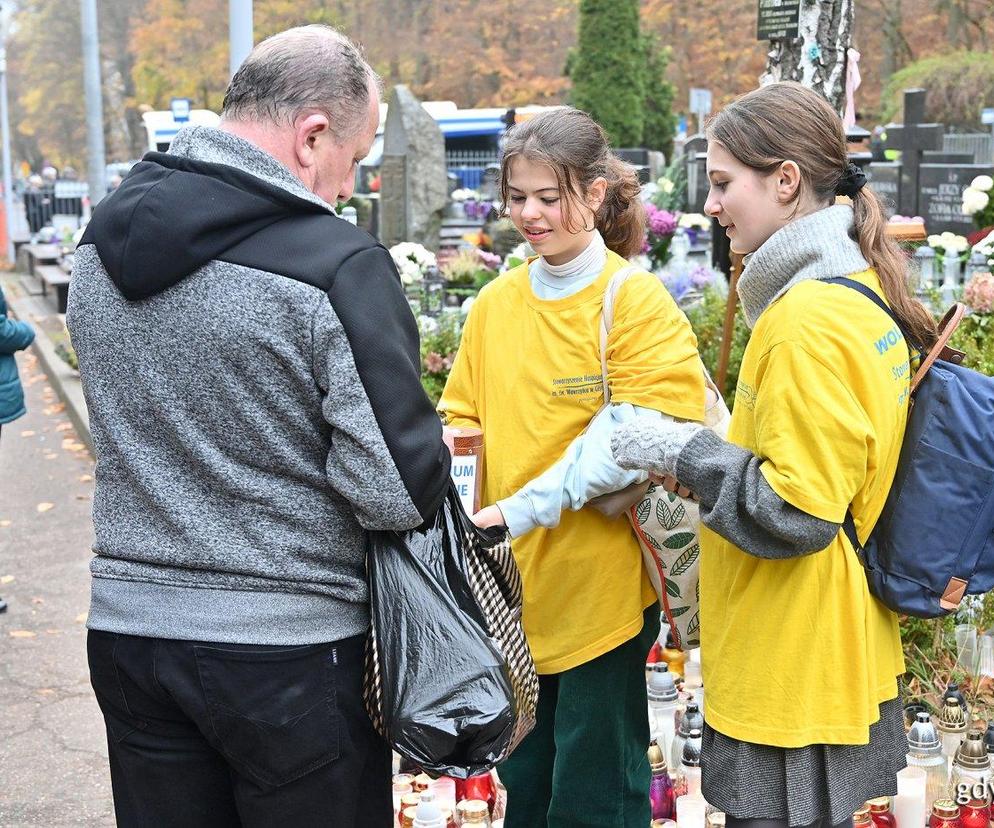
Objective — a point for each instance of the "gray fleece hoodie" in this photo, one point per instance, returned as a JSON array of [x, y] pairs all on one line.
[[251, 370]]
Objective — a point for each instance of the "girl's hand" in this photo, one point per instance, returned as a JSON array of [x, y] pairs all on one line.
[[670, 484], [488, 516]]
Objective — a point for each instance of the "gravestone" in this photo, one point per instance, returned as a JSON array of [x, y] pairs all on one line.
[[912, 138], [638, 157], [885, 179], [942, 157], [413, 184], [695, 153], [940, 195]]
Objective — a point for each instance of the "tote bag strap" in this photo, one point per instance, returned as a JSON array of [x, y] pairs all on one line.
[[607, 318]]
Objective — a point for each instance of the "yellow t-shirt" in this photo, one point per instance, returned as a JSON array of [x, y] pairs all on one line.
[[797, 651], [528, 373]]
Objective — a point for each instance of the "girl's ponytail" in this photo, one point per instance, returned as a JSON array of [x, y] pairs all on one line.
[[621, 217], [891, 266]]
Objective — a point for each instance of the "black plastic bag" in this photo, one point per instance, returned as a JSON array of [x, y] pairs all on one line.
[[450, 682]]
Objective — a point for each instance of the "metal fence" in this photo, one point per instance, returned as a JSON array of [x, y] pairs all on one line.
[[980, 145], [469, 165], [64, 198]]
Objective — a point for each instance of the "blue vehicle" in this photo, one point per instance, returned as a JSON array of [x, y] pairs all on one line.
[[472, 139]]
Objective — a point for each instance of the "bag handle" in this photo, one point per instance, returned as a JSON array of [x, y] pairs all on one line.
[[947, 327], [607, 319]]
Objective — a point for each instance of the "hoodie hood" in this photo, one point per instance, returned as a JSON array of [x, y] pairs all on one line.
[[172, 215]]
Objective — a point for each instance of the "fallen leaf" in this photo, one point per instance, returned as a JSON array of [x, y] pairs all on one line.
[[82, 497], [54, 409], [64, 427], [5, 523], [85, 478], [81, 618], [28, 433], [44, 507], [73, 445], [22, 634], [53, 632], [45, 691], [6, 579], [37, 600], [50, 455]]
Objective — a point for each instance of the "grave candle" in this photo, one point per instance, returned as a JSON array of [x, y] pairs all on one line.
[[467, 466]]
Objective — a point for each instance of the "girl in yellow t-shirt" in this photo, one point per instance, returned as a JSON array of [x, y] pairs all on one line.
[[528, 373], [802, 717]]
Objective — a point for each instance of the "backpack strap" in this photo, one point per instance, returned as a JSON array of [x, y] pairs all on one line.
[[875, 297], [940, 350], [849, 527]]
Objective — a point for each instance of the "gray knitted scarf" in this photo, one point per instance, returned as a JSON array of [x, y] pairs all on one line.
[[817, 246]]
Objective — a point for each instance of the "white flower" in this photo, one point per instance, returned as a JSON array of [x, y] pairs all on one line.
[[467, 304], [465, 194], [974, 200], [694, 220], [665, 185], [951, 241], [427, 325], [984, 183], [412, 261], [934, 241]]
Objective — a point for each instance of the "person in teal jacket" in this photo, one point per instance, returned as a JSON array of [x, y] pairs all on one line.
[[14, 336]]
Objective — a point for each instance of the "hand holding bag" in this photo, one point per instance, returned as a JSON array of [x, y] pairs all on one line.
[[666, 525], [449, 680]]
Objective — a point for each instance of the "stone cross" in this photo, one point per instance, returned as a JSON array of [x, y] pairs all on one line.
[[911, 138], [414, 186]]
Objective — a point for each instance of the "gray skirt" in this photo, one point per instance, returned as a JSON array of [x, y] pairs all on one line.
[[802, 785]]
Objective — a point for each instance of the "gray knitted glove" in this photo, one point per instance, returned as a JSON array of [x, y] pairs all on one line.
[[653, 445]]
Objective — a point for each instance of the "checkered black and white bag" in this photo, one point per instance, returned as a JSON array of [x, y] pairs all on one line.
[[450, 681]]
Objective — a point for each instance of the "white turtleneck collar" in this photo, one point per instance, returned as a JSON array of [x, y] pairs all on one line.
[[551, 281]]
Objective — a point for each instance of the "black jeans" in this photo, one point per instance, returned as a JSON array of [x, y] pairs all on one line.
[[219, 735]]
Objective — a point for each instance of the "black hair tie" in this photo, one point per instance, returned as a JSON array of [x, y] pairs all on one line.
[[851, 182]]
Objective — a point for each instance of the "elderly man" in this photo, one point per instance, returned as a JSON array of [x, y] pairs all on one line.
[[251, 369]]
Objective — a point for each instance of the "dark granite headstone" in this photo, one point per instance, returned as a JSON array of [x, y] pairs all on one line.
[[940, 195], [941, 157], [695, 154], [885, 179], [912, 138]]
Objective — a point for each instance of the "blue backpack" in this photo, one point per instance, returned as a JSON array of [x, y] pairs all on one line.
[[934, 541]]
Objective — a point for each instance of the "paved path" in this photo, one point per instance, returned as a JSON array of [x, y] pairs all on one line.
[[53, 754]]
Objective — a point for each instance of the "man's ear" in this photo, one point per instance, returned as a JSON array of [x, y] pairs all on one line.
[[788, 180], [308, 131]]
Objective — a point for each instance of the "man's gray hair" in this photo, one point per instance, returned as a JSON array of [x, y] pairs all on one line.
[[311, 67]]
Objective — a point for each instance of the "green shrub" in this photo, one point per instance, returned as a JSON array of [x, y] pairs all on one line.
[[708, 320]]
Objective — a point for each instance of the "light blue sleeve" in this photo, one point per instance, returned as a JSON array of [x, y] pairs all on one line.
[[586, 469]]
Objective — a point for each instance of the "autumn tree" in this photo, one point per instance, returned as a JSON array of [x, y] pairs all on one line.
[[959, 85], [711, 51], [607, 70], [181, 50]]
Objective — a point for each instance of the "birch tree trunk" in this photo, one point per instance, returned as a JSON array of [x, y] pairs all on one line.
[[817, 56]]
